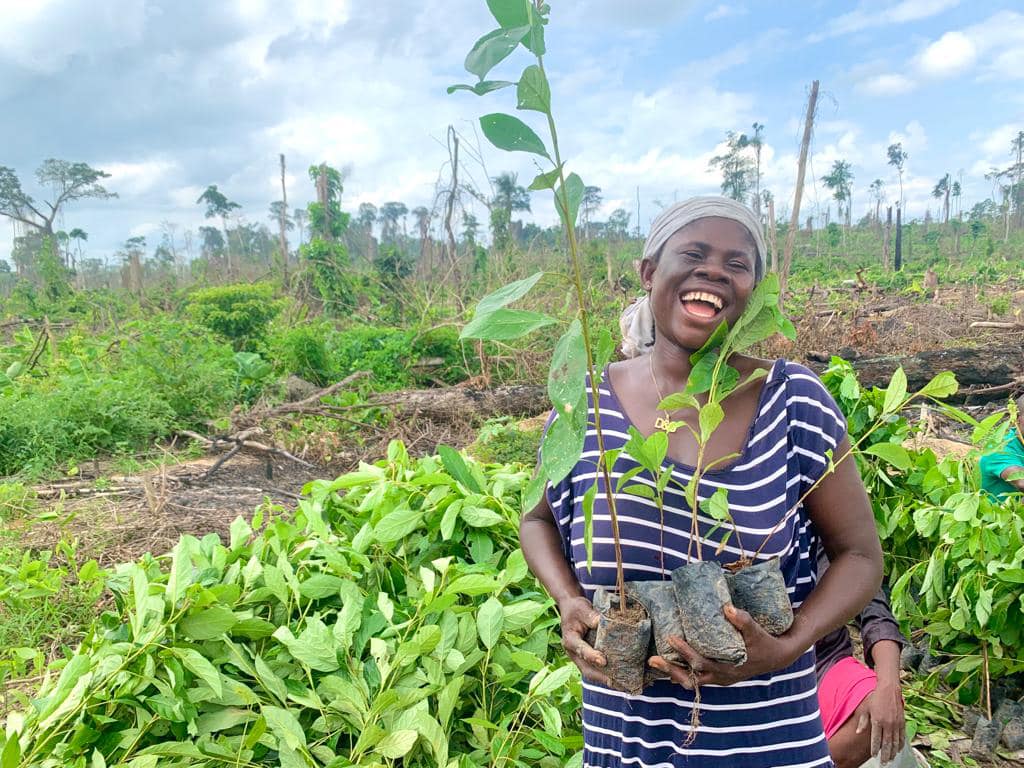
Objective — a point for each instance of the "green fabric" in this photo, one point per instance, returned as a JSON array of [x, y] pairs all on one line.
[[995, 462]]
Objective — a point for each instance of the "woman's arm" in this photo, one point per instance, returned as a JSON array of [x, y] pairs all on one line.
[[542, 547], [841, 513]]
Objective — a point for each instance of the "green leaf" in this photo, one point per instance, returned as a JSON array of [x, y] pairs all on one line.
[[511, 134], [199, 666], [604, 349], [10, 756], [896, 392], [643, 491], [315, 646], [545, 684], [702, 374], [568, 199], [533, 91], [510, 14], [534, 492], [207, 623], [493, 48], [223, 719], [567, 375], [181, 568], [456, 467], [983, 607], [489, 620], [656, 448], [1011, 575], [285, 726], [481, 517], [546, 180], [76, 669], [563, 443], [398, 524], [507, 294], [717, 505], [711, 416], [678, 400], [942, 385], [482, 88], [320, 585], [396, 744], [474, 584], [504, 325], [893, 454]]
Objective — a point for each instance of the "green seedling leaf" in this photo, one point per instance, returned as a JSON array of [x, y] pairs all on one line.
[[1011, 575], [896, 455], [396, 744], [320, 585], [567, 375], [941, 386], [504, 325], [455, 465], [545, 684], [534, 492], [510, 14], [656, 448], [285, 726], [398, 524], [716, 506], [702, 374], [563, 444], [199, 666], [493, 48], [489, 620], [715, 341], [711, 416], [636, 489], [677, 401], [604, 349], [512, 134], [481, 517], [983, 607], [896, 392], [507, 294], [482, 88], [315, 646], [533, 91], [207, 623], [547, 180], [568, 199]]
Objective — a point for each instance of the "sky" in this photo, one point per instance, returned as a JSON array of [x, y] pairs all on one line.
[[169, 96]]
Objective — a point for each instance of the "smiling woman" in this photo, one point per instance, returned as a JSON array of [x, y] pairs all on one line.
[[701, 263]]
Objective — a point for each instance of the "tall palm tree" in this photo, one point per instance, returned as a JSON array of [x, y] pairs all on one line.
[[217, 204], [79, 236], [508, 197], [941, 190], [840, 181], [898, 159]]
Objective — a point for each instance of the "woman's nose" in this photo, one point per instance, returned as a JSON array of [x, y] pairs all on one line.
[[710, 269]]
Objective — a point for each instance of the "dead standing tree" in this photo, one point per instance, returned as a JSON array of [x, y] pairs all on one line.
[[794, 220], [449, 206], [282, 223]]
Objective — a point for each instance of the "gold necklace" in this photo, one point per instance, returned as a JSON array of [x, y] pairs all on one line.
[[664, 423]]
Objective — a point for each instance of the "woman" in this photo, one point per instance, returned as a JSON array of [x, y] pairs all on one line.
[[700, 264]]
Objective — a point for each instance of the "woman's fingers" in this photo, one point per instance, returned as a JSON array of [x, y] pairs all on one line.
[[591, 673], [694, 660], [681, 675], [578, 648]]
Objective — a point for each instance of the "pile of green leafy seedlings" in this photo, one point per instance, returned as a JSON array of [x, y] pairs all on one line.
[[392, 618]]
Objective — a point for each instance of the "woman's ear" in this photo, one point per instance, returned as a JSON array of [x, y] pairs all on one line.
[[647, 267]]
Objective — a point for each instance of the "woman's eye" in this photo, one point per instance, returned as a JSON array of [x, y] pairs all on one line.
[[693, 255], [741, 265]]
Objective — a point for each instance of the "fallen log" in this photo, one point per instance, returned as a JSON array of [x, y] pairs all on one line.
[[984, 373], [466, 403]]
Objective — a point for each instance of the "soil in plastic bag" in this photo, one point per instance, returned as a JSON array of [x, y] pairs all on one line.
[[624, 638], [760, 590], [659, 600], [702, 594]]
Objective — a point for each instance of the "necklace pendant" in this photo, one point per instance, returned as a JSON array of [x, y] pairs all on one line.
[[665, 425]]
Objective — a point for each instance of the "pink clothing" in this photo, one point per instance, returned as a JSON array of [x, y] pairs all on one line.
[[846, 684]]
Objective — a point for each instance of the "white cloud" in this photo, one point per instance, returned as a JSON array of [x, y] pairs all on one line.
[[890, 84], [724, 11], [129, 179], [950, 54], [870, 14], [43, 35]]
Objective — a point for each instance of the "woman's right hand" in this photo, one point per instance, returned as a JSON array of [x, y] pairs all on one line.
[[578, 617]]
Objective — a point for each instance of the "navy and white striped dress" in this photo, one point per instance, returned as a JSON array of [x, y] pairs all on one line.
[[768, 721]]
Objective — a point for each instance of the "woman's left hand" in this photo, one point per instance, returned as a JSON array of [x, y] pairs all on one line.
[[765, 653]]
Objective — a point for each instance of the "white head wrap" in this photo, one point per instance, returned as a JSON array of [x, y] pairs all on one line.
[[637, 321]]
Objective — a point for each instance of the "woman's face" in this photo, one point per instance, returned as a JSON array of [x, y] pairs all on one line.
[[705, 275]]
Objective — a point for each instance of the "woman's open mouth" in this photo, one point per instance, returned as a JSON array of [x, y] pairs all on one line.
[[701, 304]]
